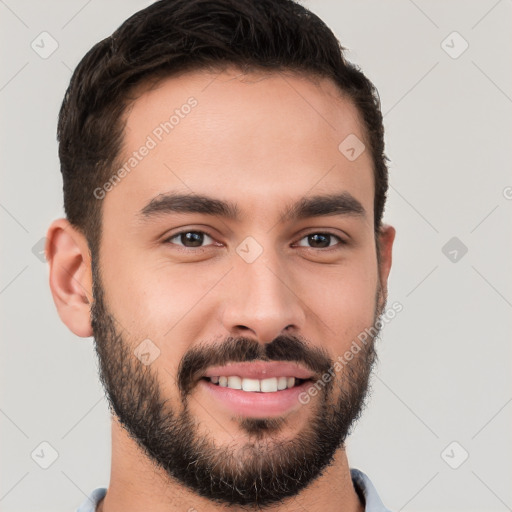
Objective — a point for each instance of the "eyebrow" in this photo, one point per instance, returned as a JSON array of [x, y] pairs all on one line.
[[309, 206]]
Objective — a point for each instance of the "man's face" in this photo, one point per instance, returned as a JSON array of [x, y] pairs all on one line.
[[266, 298]]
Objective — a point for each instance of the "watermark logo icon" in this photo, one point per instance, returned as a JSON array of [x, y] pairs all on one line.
[[44, 455], [454, 45], [249, 249], [454, 455], [38, 249], [44, 45], [147, 352], [454, 249], [352, 147]]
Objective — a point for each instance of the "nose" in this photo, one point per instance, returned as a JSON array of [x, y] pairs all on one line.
[[261, 301]]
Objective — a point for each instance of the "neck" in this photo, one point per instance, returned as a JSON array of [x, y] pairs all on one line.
[[136, 484]]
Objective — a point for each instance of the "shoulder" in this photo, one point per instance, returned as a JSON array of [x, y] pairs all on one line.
[[90, 503], [367, 491]]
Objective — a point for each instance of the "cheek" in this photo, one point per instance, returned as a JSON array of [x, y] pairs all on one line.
[[152, 297], [161, 301], [343, 302]]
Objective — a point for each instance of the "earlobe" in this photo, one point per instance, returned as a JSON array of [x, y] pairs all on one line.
[[67, 253]]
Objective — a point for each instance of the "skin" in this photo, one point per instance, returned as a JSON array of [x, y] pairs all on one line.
[[262, 142]]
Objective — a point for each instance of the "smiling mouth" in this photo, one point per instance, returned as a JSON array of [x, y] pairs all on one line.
[[269, 385]]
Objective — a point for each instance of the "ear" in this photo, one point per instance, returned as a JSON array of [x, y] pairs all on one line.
[[386, 238], [68, 254]]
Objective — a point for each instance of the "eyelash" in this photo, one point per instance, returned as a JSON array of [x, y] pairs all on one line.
[[341, 242]]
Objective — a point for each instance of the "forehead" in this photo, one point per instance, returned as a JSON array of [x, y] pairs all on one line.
[[256, 138]]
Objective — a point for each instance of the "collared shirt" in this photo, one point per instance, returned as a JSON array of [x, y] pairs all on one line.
[[362, 484]]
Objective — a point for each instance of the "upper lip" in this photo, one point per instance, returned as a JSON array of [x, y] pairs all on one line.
[[260, 370]]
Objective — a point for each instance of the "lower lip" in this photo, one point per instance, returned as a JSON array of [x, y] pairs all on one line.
[[256, 404]]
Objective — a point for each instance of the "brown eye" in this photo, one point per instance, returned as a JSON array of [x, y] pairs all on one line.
[[321, 240], [189, 239]]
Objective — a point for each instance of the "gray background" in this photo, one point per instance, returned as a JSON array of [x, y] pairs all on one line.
[[444, 372]]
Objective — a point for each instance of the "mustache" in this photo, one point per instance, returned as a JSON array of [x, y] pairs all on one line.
[[283, 348]]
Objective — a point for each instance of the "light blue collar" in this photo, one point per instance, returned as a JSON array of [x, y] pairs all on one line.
[[361, 482]]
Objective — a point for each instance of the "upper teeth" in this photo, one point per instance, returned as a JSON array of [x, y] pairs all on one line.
[[263, 385]]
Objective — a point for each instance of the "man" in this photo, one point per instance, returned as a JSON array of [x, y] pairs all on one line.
[[224, 184]]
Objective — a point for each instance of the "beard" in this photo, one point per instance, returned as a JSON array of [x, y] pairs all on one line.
[[265, 469]]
